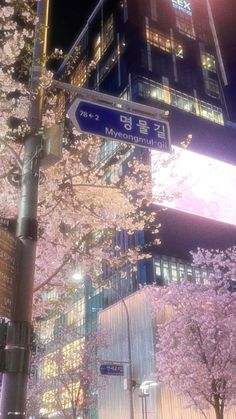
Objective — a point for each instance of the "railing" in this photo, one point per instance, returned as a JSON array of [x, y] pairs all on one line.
[[153, 90]]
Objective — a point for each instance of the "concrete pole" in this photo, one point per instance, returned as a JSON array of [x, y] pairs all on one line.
[[14, 382]]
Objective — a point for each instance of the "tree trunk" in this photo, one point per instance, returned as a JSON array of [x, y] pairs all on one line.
[[219, 412]]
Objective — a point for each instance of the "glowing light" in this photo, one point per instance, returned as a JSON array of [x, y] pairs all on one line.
[[204, 186], [148, 383], [182, 5], [77, 276]]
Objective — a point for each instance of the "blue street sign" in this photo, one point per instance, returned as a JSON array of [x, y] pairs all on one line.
[[119, 125], [111, 369]]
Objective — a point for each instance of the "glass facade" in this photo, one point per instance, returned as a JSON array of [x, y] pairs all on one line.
[[208, 61], [184, 23], [149, 89], [163, 42], [169, 269]]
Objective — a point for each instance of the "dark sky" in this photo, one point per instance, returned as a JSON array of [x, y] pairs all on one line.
[[69, 16]]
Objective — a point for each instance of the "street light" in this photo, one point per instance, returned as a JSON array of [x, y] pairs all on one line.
[[144, 394]]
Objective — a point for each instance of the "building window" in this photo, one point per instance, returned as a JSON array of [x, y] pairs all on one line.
[[107, 33], [212, 87], [49, 401], [198, 277], [71, 393], [103, 40], [79, 77], [158, 39], [108, 149], [174, 273], [107, 66], [97, 48], [163, 42], [71, 354], [153, 9], [46, 332], [181, 272], [76, 314], [149, 89], [166, 272], [60, 106], [202, 32], [49, 367], [208, 61], [178, 50], [184, 24]]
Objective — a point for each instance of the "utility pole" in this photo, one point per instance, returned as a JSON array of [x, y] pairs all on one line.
[[19, 330]]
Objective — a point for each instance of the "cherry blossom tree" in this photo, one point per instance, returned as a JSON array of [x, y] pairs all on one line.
[[64, 380], [196, 335], [82, 203]]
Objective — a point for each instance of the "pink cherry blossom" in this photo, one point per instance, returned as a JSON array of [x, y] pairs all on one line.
[[196, 334]]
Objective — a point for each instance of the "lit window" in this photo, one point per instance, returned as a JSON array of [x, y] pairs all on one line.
[[60, 105], [72, 393], [184, 24], [174, 275], [147, 88], [102, 41], [107, 33], [49, 367], [97, 49], [79, 77], [47, 330], [158, 39], [178, 50], [71, 354], [208, 61], [49, 402], [163, 42], [157, 268], [166, 272], [181, 272], [198, 278], [190, 277], [76, 314], [125, 94]]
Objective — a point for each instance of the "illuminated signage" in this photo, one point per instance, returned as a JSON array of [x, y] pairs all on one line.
[[195, 184], [183, 5]]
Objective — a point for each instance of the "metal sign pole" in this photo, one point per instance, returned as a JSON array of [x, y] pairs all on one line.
[[18, 340]]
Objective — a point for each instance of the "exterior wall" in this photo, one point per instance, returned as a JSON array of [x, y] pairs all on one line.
[[113, 400]]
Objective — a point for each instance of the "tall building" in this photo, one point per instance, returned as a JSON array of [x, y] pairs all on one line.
[[162, 53], [165, 53]]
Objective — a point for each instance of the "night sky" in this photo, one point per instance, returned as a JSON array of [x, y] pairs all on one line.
[[68, 17]]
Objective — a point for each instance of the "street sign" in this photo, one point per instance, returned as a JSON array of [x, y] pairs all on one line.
[[7, 273], [119, 125], [111, 369]]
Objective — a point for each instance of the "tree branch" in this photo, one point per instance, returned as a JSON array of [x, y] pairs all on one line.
[[12, 151]]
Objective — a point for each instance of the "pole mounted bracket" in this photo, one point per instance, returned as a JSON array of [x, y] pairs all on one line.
[[17, 349], [28, 228]]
